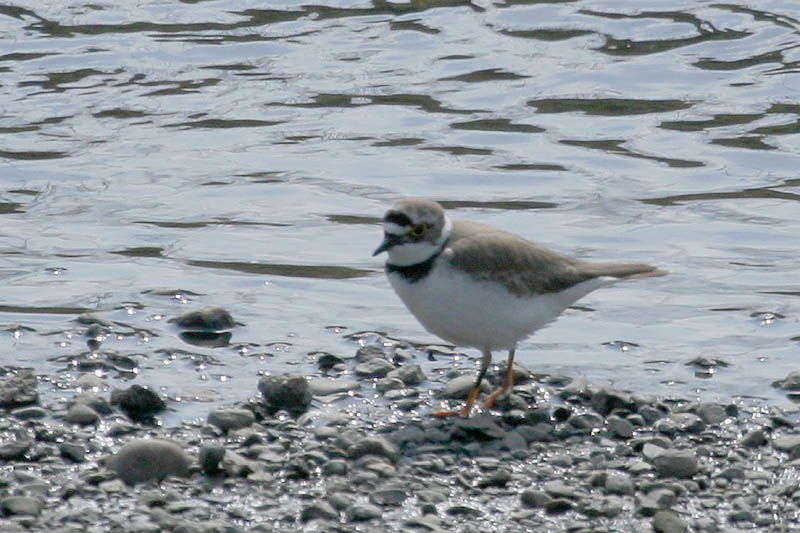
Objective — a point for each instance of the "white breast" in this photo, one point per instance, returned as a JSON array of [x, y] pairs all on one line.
[[481, 314]]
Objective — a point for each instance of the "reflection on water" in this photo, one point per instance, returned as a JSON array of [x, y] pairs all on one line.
[[160, 156]]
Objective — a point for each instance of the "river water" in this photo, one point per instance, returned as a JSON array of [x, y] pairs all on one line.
[[158, 156]]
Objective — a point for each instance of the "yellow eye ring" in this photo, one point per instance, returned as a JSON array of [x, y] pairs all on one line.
[[419, 230]]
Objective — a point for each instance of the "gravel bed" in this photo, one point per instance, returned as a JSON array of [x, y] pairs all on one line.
[[354, 448]]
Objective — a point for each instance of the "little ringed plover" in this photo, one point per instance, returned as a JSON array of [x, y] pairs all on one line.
[[478, 286]]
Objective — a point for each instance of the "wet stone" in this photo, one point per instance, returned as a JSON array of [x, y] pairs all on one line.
[[335, 467], [459, 388], [74, 452], [209, 457], [286, 391], [15, 451], [680, 422], [712, 413], [410, 375], [669, 522], [318, 510], [29, 413], [790, 383], [754, 438], [145, 459], [139, 403], [606, 400], [388, 497], [81, 414], [21, 505], [558, 506], [480, 427], [388, 384], [558, 489], [676, 463], [18, 389], [374, 446], [786, 443], [362, 512], [619, 427], [373, 368], [231, 419], [208, 318], [619, 483]]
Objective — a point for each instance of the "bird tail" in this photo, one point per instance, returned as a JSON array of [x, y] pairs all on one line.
[[624, 270]]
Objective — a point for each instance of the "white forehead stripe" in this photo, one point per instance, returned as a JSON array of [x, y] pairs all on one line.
[[394, 229]]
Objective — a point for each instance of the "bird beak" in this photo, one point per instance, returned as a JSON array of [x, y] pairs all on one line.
[[389, 240]]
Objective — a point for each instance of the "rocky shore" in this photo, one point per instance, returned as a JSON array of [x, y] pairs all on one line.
[[353, 448]]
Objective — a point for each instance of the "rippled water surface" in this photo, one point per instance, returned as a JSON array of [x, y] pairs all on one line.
[[162, 155]]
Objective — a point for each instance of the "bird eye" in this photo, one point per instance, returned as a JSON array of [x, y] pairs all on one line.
[[419, 230]]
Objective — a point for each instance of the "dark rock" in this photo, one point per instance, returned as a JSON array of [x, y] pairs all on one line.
[[388, 497], [669, 522], [145, 459], [619, 427], [606, 400], [558, 506], [15, 451], [286, 391], [18, 389], [74, 452], [318, 510], [754, 438], [21, 505], [619, 483], [480, 427], [534, 498], [29, 413], [138, 402], [712, 413], [676, 463], [374, 446], [790, 383], [208, 318], [496, 479], [231, 419], [680, 422], [210, 458]]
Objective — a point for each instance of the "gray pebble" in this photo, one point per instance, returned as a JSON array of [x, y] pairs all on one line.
[[318, 510], [669, 522], [754, 438], [711, 413], [557, 489], [231, 419], [676, 463], [388, 496], [376, 367], [14, 451], [786, 443], [335, 467], [81, 414], [208, 318], [146, 459], [458, 388], [210, 458], [410, 375], [361, 512], [21, 505], [619, 483], [534, 498], [139, 403], [74, 452], [286, 391], [29, 413], [374, 446], [389, 384], [619, 427], [328, 386], [18, 389], [558, 506]]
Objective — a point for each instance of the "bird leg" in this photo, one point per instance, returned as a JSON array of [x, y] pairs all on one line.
[[473, 394], [507, 382]]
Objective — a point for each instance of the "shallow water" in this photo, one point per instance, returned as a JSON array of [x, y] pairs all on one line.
[[242, 156]]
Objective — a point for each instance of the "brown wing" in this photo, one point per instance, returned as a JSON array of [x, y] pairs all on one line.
[[523, 267]]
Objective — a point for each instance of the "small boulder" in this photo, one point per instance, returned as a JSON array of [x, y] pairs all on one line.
[[208, 318], [286, 391], [145, 459]]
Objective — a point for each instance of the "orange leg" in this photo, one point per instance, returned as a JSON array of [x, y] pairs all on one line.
[[473, 394], [508, 382]]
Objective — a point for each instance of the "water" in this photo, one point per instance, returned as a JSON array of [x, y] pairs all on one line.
[[161, 156]]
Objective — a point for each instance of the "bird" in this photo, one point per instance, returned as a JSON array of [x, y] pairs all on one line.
[[477, 286]]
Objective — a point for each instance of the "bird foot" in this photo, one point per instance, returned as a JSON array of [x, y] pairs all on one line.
[[489, 403], [444, 414]]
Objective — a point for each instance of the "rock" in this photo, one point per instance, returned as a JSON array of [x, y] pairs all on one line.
[[388, 384], [374, 446], [145, 459], [786, 443], [286, 391], [558, 506], [480, 427], [328, 386], [15, 451], [410, 375], [534, 498], [458, 388], [388, 496], [754, 437], [29, 413], [74, 452], [619, 427], [606, 400], [335, 467], [790, 383], [711, 413], [680, 422], [21, 505], [138, 402], [676, 463], [586, 421], [93, 400], [209, 457], [619, 483], [18, 389], [361, 512], [669, 522], [81, 414], [231, 419], [376, 367], [208, 318], [558, 489], [318, 510]]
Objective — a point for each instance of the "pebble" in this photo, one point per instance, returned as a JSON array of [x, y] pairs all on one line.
[[374, 446], [74, 452], [208, 318], [669, 522], [81, 414], [458, 388], [145, 459], [286, 391], [16, 450], [361, 512], [18, 389], [321, 386], [754, 438], [139, 403], [620, 427], [676, 463], [209, 457], [376, 367], [231, 419], [619, 483], [410, 375], [21, 505]]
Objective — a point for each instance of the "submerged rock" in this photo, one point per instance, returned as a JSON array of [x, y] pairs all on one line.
[[208, 318], [146, 459], [231, 419], [286, 391], [138, 402]]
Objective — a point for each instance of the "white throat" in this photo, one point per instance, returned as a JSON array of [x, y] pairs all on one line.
[[417, 252]]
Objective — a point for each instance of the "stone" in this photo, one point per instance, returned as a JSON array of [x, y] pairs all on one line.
[[18, 389], [145, 459], [619, 427], [374, 446], [376, 367], [676, 463], [209, 457], [362, 512], [711, 413], [328, 386], [139, 403], [458, 388], [558, 506], [318, 510], [606, 400], [754, 438], [480, 426], [680, 422], [669, 522], [288, 391], [21, 505], [786, 443], [534, 498], [410, 375], [335, 467], [81, 414], [389, 496], [208, 318], [29, 413], [619, 483], [558, 489], [231, 419], [15, 450], [790, 383], [74, 452]]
